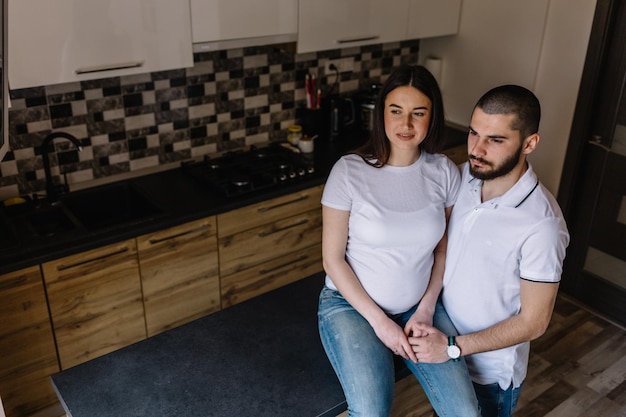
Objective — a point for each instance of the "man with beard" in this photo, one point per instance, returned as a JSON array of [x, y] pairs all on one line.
[[506, 244]]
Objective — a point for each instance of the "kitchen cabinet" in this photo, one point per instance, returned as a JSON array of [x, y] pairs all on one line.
[[179, 274], [27, 344], [270, 244], [429, 18], [333, 24], [58, 41], [219, 24], [95, 301]]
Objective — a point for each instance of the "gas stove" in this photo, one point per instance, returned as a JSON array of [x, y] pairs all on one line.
[[243, 172]]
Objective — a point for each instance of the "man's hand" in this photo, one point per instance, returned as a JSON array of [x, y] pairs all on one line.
[[412, 326], [431, 346]]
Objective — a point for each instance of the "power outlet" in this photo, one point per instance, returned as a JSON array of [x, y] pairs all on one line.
[[343, 65]]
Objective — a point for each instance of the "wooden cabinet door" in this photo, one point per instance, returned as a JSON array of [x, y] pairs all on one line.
[[260, 244], [28, 355], [270, 275], [270, 244], [95, 302], [179, 274]]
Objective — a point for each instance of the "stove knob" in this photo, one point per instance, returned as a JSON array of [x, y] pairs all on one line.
[[311, 170], [301, 172], [292, 174], [282, 177]]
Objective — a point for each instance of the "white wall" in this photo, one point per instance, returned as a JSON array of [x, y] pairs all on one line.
[[539, 44]]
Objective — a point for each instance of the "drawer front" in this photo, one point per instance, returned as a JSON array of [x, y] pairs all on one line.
[[255, 246], [95, 302], [268, 211], [179, 274], [270, 275]]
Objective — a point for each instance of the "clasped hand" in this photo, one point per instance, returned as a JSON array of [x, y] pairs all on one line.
[[418, 342], [428, 344]]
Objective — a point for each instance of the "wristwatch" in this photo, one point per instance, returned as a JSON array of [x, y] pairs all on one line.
[[453, 350]]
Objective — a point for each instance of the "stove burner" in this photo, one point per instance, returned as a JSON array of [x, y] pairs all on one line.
[[240, 181], [241, 172]]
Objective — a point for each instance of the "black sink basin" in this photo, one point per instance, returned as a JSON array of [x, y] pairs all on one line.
[[110, 205], [50, 221], [30, 220]]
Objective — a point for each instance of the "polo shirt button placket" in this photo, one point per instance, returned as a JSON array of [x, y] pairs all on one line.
[[470, 220]]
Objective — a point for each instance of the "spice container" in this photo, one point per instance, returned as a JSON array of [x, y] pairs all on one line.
[[294, 135]]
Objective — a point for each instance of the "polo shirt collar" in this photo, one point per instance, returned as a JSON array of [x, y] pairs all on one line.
[[516, 195]]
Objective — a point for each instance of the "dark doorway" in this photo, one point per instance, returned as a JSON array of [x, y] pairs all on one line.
[[592, 192]]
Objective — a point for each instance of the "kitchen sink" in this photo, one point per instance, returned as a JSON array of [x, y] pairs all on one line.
[[34, 221], [110, 205], [50, 221]]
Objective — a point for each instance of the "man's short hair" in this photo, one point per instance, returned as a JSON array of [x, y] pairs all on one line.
[[516, 100]]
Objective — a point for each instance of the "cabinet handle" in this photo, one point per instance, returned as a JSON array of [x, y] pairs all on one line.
[[298, 259], [275, 206], [109, 67], [358, 39], [186, 232], [97, 258], [13, 283], [265, 234]]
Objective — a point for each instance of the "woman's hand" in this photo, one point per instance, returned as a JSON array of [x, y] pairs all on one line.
[[392, 335], [421, 316]]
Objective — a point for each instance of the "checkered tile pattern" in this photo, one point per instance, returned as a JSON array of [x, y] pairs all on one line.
[[228, 100]]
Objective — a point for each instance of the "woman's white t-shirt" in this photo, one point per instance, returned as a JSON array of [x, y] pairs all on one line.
[[396, 220]]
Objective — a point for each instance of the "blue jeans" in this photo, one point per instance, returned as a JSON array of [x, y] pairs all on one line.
[[365, 366], [496, 402]]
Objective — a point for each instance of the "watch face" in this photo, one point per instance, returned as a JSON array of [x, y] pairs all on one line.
[[454, 352]]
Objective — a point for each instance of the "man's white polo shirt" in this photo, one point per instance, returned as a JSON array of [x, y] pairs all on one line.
[[491, 246]]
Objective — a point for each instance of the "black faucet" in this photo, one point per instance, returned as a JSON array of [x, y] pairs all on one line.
[[51, 189]]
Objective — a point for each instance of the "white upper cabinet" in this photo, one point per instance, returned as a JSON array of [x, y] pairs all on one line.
[[58, 41], [332, 24], [428, 18], [222, 24]]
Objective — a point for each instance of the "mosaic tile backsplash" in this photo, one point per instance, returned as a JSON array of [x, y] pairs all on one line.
[[229, 99]]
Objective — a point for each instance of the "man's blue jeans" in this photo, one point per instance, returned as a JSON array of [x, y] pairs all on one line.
[[364, 365], [496, 402]]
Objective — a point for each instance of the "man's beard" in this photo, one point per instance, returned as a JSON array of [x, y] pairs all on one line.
[[503, 169]]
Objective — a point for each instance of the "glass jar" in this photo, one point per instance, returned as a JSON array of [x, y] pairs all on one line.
[[294, 135]]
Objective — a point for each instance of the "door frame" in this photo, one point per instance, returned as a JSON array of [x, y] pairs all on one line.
[[589, 142]]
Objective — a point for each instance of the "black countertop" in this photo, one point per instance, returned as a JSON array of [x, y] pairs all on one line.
[[179, 198], [262, 357]]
